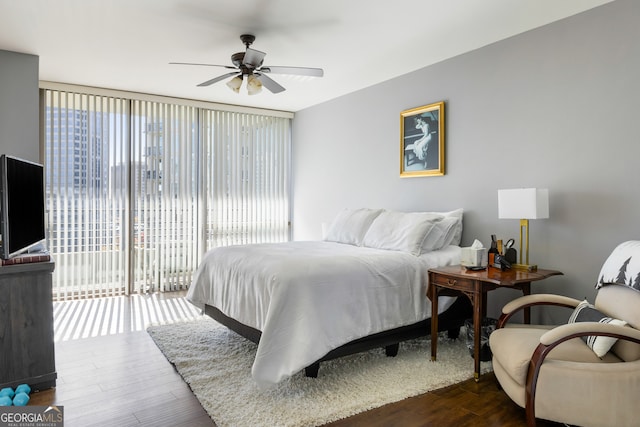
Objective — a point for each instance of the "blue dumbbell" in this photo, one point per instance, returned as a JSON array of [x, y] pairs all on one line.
[[23, 388], [21, 399], [7, 392], [5, 401]]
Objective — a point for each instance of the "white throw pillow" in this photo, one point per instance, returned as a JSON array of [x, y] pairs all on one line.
[[400, 231], [350, 225], [586, 312]]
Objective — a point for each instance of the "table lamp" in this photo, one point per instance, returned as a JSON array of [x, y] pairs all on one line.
[[523, 204]]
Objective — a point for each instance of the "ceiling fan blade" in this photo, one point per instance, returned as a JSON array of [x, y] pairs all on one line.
[[217, 79], [253, 58], [296, 71], [205, 65], [269, 83]]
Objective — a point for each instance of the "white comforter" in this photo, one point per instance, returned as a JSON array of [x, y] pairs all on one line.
[[308, 298]]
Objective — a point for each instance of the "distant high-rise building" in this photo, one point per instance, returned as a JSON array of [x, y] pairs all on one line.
[[78, 166]]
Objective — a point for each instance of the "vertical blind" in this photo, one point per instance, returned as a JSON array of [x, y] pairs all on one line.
[[165, 194], [246, 159], [138, 190], [86, 141]]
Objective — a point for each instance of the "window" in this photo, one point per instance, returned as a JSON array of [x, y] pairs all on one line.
[[134, 205]]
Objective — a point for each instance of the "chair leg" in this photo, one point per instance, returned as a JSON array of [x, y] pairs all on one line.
[[531, 417], [535, 364]]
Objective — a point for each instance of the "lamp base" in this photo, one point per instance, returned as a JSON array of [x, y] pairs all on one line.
[[526, 267]]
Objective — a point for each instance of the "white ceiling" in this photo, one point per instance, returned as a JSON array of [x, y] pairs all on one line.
[[128, 44]]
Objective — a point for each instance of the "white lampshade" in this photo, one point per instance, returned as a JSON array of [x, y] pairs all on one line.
[[235, 83], [523, 203], [254, 85]]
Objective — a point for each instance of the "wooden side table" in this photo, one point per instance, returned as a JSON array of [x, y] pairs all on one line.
[[456, 280]]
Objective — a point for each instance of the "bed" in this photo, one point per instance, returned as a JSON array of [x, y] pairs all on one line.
[[363, 286]]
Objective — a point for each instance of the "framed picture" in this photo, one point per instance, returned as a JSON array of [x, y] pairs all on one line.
[[422, 141]]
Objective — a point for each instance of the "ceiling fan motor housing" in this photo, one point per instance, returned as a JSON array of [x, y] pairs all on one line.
[[237, 58]]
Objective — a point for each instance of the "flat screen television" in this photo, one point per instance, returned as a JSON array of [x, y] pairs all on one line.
[[21, 205]]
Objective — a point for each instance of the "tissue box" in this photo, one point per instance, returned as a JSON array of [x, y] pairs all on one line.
[[472, 257]]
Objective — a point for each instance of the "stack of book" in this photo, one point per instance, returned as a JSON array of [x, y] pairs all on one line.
[[27, 258]]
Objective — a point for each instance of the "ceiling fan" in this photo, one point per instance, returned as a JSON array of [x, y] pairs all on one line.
[[249, 64]]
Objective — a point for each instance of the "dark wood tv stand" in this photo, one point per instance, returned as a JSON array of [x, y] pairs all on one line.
[[26, 326]]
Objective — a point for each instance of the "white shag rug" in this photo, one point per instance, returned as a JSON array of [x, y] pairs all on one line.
[[216, 363]]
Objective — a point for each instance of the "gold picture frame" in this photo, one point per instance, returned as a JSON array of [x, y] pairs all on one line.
[[422, 141]]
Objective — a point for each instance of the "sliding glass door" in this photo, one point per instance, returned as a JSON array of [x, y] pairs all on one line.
[[138, 190]]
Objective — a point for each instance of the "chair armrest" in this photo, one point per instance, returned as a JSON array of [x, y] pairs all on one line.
[[549, 340], [526, 301], [571, 330]]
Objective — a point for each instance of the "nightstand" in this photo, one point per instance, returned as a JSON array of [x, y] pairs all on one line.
[[457, 280]]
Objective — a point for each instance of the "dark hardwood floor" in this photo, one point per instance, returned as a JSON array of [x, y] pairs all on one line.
[[124, 380], [468, 404]]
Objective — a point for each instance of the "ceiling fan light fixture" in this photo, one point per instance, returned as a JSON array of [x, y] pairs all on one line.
[[254, 85], [235, 83]]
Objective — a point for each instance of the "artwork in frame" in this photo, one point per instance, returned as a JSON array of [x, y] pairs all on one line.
[[422, 141]]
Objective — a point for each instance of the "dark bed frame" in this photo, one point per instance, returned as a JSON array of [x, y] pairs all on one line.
[[451, 321]]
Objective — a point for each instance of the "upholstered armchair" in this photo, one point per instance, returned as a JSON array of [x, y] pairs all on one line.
[[585, 372]]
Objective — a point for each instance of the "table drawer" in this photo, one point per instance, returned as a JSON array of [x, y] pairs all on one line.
[[447, 281]]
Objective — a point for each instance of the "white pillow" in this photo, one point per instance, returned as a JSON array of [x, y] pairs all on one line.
[[350, 225], [441, 235], [455, 236], [586, 312], [400, 231], [448, 231]]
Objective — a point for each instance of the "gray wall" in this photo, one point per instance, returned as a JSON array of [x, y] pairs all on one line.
[[19, 114], [556, 108]]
